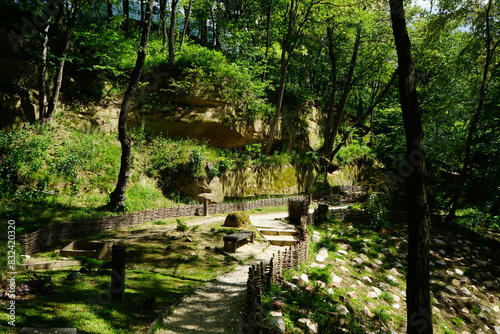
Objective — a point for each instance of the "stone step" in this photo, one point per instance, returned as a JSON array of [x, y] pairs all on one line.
[[282, 242], [278, 232]]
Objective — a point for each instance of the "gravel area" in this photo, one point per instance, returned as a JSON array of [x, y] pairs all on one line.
[[218, 307]]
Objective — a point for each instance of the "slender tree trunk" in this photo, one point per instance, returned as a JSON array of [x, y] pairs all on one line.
[[369, 111], [490, 50], [110, 10], [339, 111], [163, 19], [117, 197], [268, 39], [42, 94], [186, 24], [419, 312], [171, 33], [126, 11], [56, 89]]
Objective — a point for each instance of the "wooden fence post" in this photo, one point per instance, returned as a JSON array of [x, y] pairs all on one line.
[[117, 287]]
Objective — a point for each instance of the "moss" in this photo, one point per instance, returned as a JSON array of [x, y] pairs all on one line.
[[237, 219]]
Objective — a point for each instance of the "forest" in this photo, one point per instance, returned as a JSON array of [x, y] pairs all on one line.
[[112, 106]]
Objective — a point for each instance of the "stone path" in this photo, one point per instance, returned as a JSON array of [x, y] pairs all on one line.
[[218, 307]]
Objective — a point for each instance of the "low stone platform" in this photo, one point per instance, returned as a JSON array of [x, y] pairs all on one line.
[[35, 330]]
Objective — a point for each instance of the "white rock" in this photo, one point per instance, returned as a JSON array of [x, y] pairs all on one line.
[[372, 294], [342, 309], [330, 291], [320, 258], [459, 272], [396, 306], [497, 329], [377, 291], [383, 286], [307, 324], [358, 260], [342, 252], [394, 271], [495, 309], [323, 252], [378, 262], [352, 294], [316, 238], [367, 312], [391, 278], [317, 265], [396, 298], [343, 269], [277, 322], [441, 263], [465, 291], [304, 279], [366, 279], [336, 279]]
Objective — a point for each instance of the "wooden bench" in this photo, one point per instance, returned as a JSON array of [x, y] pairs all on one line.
[[235, 240]]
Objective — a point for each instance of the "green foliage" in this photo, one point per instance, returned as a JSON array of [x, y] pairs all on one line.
[[181, 226], [231, 82], [457, 321], [320, 274], [376, 207]]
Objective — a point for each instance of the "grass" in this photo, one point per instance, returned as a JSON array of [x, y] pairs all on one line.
[[389, 247], [160, 271]]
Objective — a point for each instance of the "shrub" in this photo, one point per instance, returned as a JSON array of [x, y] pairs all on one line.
[[237, 219]]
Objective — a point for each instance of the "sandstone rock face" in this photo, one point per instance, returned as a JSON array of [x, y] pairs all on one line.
[[271, 181]]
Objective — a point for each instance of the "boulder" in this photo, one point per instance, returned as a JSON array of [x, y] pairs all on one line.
[[237, 219]]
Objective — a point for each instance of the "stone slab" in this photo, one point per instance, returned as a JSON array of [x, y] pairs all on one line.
[[36, 330]]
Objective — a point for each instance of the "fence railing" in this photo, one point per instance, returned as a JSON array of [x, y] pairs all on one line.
[[48, 236]]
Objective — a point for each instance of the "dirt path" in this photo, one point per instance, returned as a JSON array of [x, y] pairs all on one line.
[[218, 307]]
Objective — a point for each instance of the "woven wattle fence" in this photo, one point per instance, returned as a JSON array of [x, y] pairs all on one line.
[[48, 236]]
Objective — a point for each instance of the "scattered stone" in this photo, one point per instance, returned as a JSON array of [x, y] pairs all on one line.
[[316, 238], [277, 304], [320, 258], [459, 272], [495, 309], [367, 312], [188, 239], [474, 289], [342, 252], [383, 286], [340, 261], [330, 291], [441, 263], [342, 309], [488, 284], [464, 310], [321, 284], [336, 279], [368, 270], [442, 251], [308, 325], [435, 310], [455, 282], [396, 306], [323, 252], [438, 242], [396, 298], [317, 265], [345, 247], [343, 269], [364, 250], [358, 282], [497, 329], [465, 291], [289, 286], [358, 260], [449, 272], [398, 265], [403, 293], [277, 322], [490, 297], [394, 271], [377, 291], [303, 279], [391, 278], [345, 300], [451, 289], [378, 262], [385, 250], [367, 279], [352, 294], [483, 263], [375, 266]]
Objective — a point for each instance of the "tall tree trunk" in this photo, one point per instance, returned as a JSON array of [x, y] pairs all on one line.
[[419, 313], [56, 89], [171, 33], [490, 51], [110, 10], [186, 24], [42, 85], [126, 11], [163, 20], [117, 197], [268, 39], [335, 120]]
